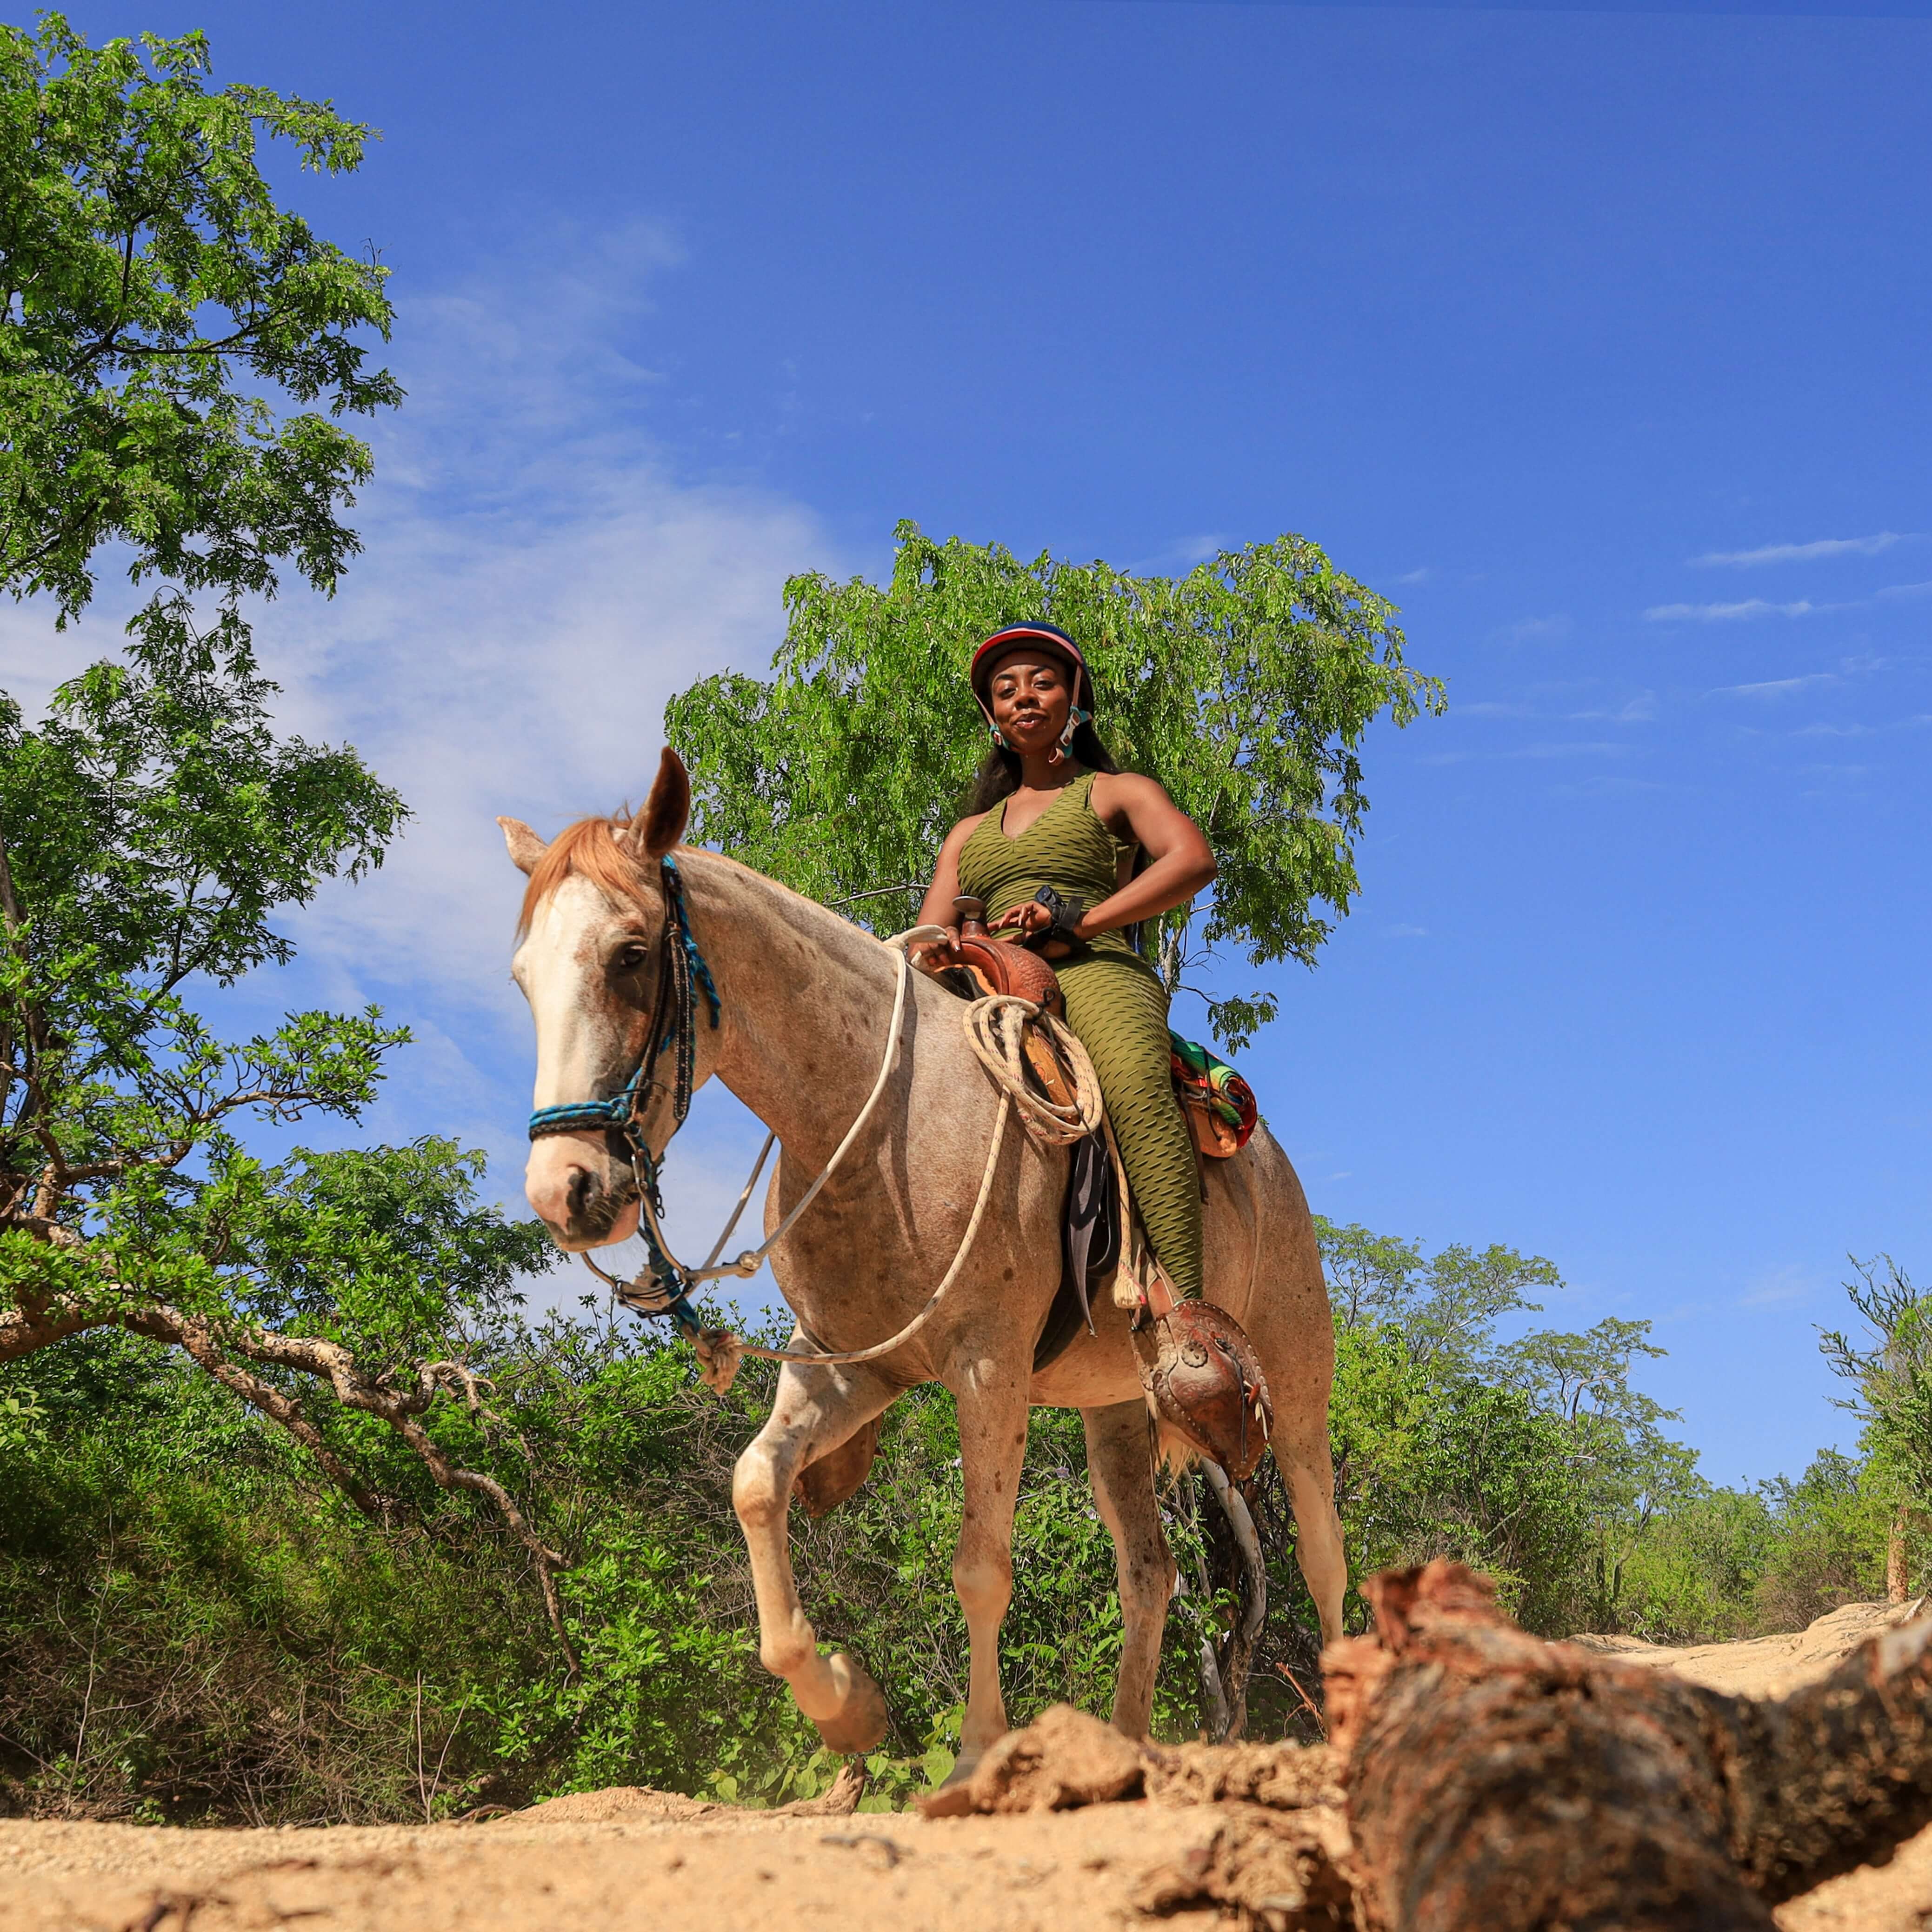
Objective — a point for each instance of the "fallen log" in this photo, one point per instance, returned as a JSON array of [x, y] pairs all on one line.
[[1494, 1780]]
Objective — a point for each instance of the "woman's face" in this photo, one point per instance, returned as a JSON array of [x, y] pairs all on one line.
[[1030, 694]]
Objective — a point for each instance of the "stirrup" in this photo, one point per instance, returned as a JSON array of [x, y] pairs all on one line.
[[1204, 1381]]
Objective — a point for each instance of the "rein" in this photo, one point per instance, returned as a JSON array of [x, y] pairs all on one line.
[[663, 1286]]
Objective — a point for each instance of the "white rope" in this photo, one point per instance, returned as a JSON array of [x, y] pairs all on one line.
[[996, 1030], [752, 1259]]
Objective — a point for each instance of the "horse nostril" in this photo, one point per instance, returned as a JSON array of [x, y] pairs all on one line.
[[582, 1185]]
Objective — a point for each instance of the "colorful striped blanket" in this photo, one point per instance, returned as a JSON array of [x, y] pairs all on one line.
[[1209, 1084]]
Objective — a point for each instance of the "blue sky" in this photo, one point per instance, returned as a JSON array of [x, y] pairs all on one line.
[[1597, 339]]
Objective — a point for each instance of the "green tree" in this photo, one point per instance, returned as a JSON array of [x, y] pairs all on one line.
[[160, 312], [155, 823], [166, 327], [1532, 1457], [1890, 1368], [1246, 686]]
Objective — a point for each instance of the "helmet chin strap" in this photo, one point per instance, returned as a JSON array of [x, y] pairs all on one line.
[[1076, 717]]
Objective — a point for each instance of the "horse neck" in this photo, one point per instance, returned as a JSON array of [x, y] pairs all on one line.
[[805, 996]]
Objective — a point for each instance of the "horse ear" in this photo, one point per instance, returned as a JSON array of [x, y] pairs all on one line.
[[526, 848], [667, 811]]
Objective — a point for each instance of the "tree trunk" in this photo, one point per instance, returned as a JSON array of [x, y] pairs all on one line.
[[1897, 1577], [1494, 1780]]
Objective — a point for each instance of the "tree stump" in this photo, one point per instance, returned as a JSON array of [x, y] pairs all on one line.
[[1497, 1781]]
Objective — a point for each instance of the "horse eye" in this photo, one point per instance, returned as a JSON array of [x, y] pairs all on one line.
[[631, 959]]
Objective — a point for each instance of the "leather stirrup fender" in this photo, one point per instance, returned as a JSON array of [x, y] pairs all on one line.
[[1204, 1381]]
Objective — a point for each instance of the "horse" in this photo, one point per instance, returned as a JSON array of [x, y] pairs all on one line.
[[798, 1035]]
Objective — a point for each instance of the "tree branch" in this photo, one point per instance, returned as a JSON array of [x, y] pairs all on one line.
[[330, 1362]]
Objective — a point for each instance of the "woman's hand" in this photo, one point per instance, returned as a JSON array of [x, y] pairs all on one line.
[[1033, 921], [1029, 919], [935, 955]]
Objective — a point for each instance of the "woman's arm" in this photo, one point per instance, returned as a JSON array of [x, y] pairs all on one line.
[[1179, 860], [937, 908]]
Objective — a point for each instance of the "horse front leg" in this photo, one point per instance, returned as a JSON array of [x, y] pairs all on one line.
[[991, 1390], [816, 1410]]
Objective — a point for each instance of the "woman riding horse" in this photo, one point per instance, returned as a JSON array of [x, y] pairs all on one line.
[[1068, 852]]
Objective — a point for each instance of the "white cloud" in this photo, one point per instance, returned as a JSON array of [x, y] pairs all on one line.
[[1641, 709], [1404, 932], [1532, 630], [1805, 552], [538, 577], [1923, 589], [1415, 577], [1721, 613], [1775, 687]]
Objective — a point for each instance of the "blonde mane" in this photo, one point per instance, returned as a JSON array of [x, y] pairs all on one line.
[[590, 849]]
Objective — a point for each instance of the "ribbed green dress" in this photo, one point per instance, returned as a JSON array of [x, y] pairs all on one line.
[[1115, 1003]]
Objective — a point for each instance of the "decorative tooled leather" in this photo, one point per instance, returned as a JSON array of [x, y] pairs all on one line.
[[1204, 1382], [1006, 969]]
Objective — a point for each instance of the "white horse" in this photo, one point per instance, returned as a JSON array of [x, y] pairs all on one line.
[[805, 996]]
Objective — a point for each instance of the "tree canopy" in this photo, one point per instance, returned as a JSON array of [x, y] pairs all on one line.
[[160, 312], [1246, 686]]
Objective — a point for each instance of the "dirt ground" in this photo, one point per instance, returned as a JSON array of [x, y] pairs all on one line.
[[607, 1862]]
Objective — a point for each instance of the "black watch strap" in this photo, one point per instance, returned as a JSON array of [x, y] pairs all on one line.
[[1067, 910]]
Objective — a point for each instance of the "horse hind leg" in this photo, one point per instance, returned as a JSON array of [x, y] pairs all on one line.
[[1121, 1472], [816, 1410]]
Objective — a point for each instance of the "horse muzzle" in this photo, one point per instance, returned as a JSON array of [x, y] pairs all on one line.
[[585, 1199]]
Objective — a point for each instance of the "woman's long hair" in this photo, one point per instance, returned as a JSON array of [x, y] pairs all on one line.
[[999, 776]]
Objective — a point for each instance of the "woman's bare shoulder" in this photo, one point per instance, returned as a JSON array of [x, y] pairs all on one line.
[[963, 831], [1121, 791]]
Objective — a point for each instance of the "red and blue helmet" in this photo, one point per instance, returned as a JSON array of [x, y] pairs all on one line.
[[1041, 637]]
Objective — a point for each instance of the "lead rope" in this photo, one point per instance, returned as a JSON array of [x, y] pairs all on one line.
[[995, 1029]]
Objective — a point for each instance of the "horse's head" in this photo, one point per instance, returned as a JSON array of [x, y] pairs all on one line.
[[589, 961]]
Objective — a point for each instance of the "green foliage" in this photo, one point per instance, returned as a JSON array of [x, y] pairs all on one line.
[[1890, 1367], [193, 1626], [1533, 1458], [147, 272], [1245, 686], [155, 823], [257, 1651]]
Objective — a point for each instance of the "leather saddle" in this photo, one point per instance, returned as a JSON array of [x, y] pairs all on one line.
[[981, 964]]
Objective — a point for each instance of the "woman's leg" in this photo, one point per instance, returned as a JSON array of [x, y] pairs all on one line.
[[1119, 1013]]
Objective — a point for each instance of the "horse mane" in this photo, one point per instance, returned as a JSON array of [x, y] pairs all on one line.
[[590, 849]]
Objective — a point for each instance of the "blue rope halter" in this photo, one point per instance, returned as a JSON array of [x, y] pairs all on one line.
[[665, 1286]]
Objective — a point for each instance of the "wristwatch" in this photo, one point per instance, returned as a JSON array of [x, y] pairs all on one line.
[[1066, 912]]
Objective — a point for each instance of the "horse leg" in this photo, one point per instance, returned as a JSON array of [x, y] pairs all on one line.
[[816, 1409], [1120, 1469], [992, 1399], [1310, 1472]]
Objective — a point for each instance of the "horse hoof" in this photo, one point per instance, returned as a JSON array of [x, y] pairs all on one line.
[[860, 1720]]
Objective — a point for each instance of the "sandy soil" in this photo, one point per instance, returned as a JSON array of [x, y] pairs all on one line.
[[606, 1862]]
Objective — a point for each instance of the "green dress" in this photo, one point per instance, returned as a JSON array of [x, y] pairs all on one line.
[[1115, 1003]]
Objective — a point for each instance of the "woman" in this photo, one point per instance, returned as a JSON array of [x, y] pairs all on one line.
[[1068, 852]]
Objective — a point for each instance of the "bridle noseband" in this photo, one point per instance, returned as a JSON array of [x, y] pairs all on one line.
[[664, 1286]]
